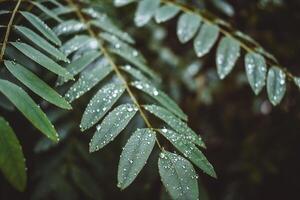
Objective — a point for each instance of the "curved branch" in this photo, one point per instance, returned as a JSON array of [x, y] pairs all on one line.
[[9, 26]]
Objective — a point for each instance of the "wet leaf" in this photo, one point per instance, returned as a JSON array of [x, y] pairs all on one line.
[[41, 27], [134, 156], [256, 70], [100, 104], [35, 84], [28, 108], [165, 13], [175, 123], [187, 26], [189, 150], [112, 125], [161, 97], [206, 38], [178, 176], [145, 10], [227, 54], [276, 85]]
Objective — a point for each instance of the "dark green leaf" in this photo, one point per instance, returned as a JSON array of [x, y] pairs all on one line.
[[29, 109], [35, 84], [12, 161], [178, 176], [112, 125], [134, 156]]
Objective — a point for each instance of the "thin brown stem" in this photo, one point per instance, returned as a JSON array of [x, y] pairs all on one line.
[[9, 26]]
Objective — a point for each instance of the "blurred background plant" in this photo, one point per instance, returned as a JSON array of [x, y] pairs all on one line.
[[252, 145]]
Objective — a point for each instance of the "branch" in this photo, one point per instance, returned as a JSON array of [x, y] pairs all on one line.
[[9, 26]]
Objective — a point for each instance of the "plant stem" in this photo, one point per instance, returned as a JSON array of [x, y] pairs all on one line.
[[9, 26]]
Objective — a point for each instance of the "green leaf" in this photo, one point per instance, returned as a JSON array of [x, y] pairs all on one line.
[[35, 84], [145, 10], [76, 43], [135, 155], [206, 38], [189, 150], [227, 54], [256, 70], [104, 22], [175, 123], [41, 27], [129, 54], [100, 104], [276, 85], [178, 176], [47, 11], [88, 79], [69, 27], [42, 43], [165, 13], [80, 64], [12, 161], [135, 73], [112, 125], [41, 59], [28, 108], [297, 81], [161, 97], [187, 26]]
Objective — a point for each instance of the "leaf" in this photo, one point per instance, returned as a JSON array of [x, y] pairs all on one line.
[[178, 176], [47, 11], [41, 27], [100, 104], [187, 26], [104, 22], [165, 13], [12, 161], [161, 97], [35, 84], [41, 59], [42, 43], [134, 156], [135, 73], [276, 85], [206, 38], [112, 125], [79, 64], [145, 10], [256, 70], [88, 79], [76, 43], [189, 150], [28, 108], [175, 123], [69, 27], [297, 81], [128, 53], [227, 54]]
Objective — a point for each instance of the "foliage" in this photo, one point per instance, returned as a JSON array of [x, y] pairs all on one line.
[[77, 49]]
